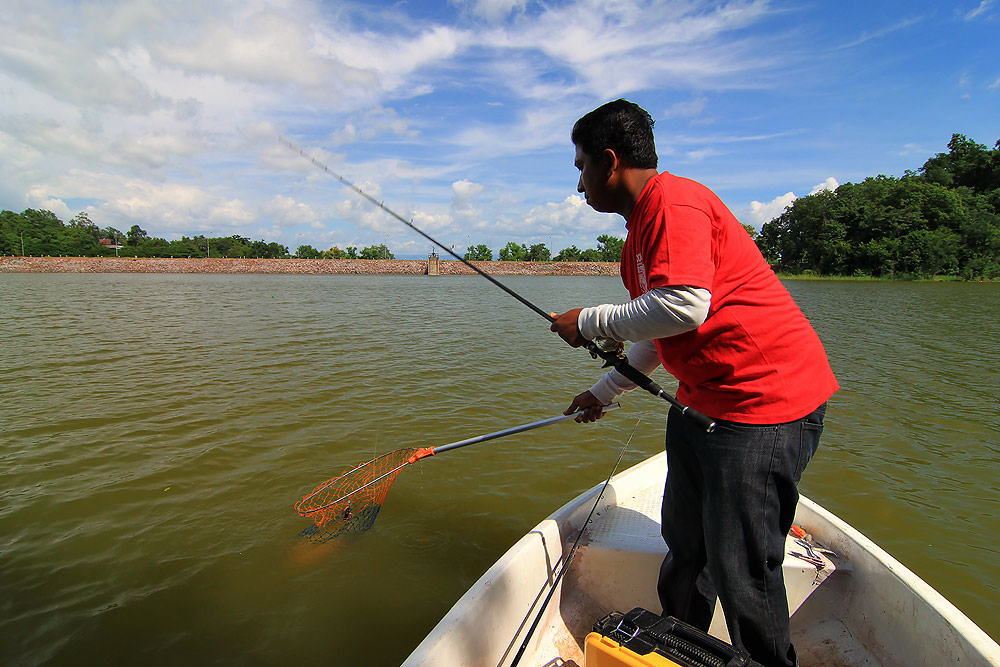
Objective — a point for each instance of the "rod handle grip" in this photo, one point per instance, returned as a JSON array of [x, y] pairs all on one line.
[[704, 422], [647, 383]]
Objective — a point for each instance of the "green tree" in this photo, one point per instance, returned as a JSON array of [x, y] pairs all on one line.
[[83, 222], [240, 247], [134, 235], [258, 249], [610, 248], [966, 164], [885, 226], [78, 242], [307, 252], [570, 254], [10, 240], [478, 253], [157, 247], [266, 250], [538, 252], [379, 251], [351, 252], [513, 252], [230, 246], [185, 247], [334, 253], [42, 232]]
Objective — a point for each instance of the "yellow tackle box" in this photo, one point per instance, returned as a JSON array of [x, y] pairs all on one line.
[[643, 639]]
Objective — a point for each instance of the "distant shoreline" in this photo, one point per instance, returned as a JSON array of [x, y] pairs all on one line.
[[296, 266]]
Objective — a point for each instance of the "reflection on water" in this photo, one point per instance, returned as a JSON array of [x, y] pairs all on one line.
[[156, 431]]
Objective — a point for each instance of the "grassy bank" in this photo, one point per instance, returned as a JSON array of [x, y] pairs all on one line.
[[875, 279]]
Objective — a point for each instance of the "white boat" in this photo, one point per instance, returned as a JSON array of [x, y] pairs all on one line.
[[851, 603]]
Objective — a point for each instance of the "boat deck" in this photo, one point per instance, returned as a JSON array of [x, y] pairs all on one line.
[[617, 565]]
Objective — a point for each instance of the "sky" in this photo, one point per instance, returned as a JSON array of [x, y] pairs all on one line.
[[457, 114]]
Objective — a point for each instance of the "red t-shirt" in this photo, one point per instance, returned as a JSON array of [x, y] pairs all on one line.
[[756, 359]]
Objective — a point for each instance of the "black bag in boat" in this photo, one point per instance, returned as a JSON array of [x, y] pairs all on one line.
[[642, 638]]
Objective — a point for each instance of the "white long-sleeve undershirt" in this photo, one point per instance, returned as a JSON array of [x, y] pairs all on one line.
[[659, 313]]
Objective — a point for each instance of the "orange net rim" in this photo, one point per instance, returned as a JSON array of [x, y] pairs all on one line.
[[331, 482]]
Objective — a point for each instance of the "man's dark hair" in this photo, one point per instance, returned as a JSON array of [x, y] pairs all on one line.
[[624, 127]]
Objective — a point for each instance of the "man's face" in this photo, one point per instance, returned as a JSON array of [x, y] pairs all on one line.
[[593, 181]]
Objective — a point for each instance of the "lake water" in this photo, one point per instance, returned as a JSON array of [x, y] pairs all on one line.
[[155, 431]]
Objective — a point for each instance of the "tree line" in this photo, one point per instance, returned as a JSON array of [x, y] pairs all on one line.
[[40, 233], [609, 249], [941, 220]]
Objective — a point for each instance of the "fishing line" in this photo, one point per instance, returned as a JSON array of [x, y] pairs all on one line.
[[610, 351], [572, 551], [409, 223]]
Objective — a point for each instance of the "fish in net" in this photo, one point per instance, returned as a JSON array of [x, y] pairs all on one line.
[[350, 502]]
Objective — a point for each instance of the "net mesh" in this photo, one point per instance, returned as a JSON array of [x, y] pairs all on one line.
[[350, 502]]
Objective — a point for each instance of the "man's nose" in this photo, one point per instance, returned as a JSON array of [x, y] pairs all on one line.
[[579, 185]]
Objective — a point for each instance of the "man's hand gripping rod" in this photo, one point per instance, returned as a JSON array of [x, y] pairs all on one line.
[[612, 357]]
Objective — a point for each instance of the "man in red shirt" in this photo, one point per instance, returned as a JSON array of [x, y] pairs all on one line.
[[706, 306]]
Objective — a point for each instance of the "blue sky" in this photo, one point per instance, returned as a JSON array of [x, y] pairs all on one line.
[[457, 114]]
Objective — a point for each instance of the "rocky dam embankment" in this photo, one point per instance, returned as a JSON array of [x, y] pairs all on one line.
[[15, 264]]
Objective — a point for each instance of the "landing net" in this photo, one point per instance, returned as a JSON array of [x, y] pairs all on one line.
[[350, 502]]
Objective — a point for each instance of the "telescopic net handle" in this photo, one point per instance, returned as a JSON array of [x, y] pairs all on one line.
[[510, 431]]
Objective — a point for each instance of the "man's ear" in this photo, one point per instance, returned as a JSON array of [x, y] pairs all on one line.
[[610, 162]]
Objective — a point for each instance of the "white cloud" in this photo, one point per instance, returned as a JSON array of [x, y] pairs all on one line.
[[464, 190], [494, 10], [829, 184], [465, 208], [39, 199], [983, 7], [50, 137], [693, 107], [168, 209], [699, 155], [373, 65], [231, 213], [761, 212], [881, 32], [569, 222], [601, 43], [287, 212], [914, 149], [371, 123], [262, 47], [72, 72], [531, 130]]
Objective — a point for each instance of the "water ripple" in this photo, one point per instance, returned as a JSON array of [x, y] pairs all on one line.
[[157, 430]]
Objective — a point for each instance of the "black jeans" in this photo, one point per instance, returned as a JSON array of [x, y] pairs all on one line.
[[728, 504]]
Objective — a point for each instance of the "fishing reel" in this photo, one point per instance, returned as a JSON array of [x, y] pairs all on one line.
[[609, 349]]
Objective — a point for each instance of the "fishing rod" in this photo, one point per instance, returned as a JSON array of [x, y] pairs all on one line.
[[606, 349]]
